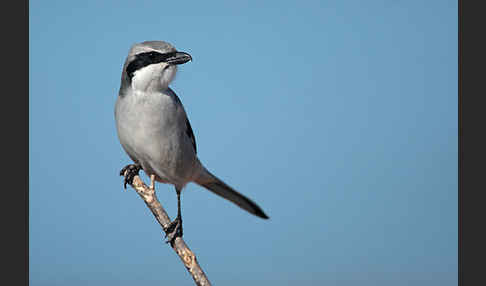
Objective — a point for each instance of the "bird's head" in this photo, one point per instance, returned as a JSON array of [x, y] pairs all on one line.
[[152, 65]]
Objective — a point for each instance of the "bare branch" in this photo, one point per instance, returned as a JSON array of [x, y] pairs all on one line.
[[185, 254]]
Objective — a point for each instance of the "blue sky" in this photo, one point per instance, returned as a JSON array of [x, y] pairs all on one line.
[[339, 118]]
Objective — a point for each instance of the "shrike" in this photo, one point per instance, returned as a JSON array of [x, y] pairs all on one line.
[[154, 130]]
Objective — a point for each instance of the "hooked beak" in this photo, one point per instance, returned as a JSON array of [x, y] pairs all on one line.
[[178, 58]]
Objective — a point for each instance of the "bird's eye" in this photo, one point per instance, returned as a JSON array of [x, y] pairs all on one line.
[[153, 55]]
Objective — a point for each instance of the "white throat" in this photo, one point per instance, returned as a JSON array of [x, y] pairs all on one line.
[[155, 77]]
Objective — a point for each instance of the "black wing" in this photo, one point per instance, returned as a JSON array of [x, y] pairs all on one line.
[[191, 135], [189, 131]]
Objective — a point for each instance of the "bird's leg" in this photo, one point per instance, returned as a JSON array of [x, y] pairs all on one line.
[[129, 172], [152, 182], [175, 227]]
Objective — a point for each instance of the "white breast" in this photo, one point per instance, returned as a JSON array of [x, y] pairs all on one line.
[[151, 128]]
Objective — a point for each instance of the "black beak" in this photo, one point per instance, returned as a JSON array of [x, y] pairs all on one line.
[[178, 58]]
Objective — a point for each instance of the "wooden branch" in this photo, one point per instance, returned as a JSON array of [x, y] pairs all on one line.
[[185, 254]]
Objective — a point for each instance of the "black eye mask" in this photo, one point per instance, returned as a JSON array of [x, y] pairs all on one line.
[[144, 59]]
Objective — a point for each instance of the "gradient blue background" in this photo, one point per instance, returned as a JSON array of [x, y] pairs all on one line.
[[338, 117]]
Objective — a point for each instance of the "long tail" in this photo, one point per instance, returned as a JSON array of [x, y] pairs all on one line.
[[215, 185]]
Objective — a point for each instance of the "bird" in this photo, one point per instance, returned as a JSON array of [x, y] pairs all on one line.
[[154, 130]]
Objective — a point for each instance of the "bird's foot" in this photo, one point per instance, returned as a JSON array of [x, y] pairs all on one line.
[[174, 230], [129, 172]]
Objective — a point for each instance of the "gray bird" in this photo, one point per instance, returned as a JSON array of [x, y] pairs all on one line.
[[154, 130]]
